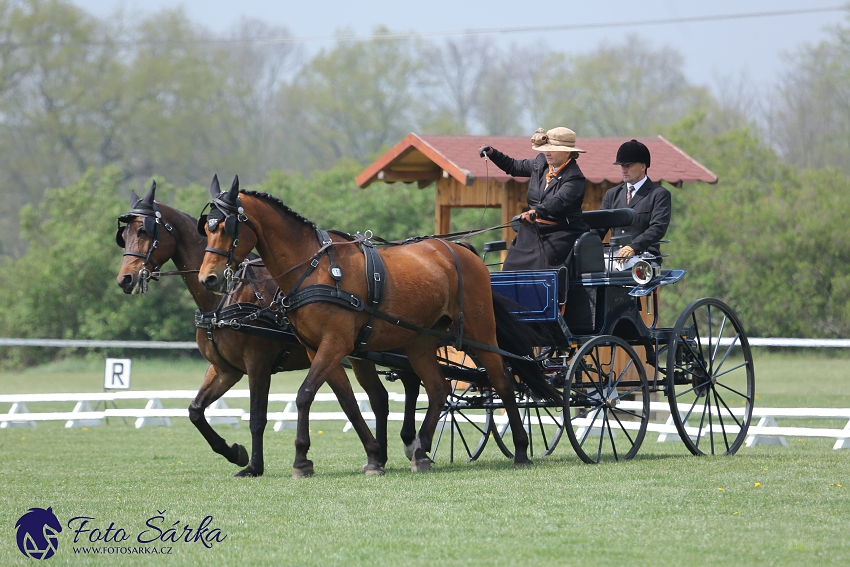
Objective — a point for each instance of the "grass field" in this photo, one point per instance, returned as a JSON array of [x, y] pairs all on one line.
[[663, 508]]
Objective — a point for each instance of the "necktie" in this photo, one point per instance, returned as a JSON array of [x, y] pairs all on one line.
[[629, 194]]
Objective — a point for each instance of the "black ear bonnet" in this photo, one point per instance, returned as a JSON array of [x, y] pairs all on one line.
[[221, 210], [149, 213]]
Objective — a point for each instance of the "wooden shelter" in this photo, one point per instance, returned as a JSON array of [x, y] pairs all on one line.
[[464, 179]]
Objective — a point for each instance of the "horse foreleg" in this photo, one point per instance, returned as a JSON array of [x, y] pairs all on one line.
[[259, 380], [338, 381], [369, 380], [216, 383], [423, 358]]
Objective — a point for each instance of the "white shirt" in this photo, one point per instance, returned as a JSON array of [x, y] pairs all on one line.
[[637, 185]]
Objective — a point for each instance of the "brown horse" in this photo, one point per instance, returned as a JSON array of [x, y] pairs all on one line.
[[156, 233], [428, 286]]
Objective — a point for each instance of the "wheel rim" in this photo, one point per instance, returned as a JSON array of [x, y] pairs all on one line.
[[710, 379], [606, 401]]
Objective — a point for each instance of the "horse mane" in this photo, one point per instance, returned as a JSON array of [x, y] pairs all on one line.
[[277, 202]]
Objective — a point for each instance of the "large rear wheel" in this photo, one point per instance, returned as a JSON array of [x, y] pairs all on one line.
[[710, 378], [606, 401]]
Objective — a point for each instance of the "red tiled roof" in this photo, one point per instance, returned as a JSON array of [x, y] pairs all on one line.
[[458, 157]]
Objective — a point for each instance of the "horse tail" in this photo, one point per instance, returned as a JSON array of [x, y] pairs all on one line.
[[518, 338]]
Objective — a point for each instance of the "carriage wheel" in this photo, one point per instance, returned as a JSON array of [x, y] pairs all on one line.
[[543, 425], [464, 427], [710, 378], [606, 401]]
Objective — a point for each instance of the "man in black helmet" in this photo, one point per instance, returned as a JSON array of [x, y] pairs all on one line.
[[649, 200]]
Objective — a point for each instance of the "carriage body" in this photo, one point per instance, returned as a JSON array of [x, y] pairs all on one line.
[[616, 370]]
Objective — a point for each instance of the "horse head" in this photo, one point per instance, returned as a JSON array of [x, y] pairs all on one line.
[[227, 243], [140, 235]]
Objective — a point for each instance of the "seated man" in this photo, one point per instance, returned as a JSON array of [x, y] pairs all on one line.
[[555, 193], [649, 200]]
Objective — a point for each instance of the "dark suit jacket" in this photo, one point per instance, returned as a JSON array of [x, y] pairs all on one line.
[[652, 205]]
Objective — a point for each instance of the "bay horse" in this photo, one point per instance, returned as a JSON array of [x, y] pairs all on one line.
[[427, 287], [156, 233]]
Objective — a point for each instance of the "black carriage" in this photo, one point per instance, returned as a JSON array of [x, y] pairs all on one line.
[[615, 370]]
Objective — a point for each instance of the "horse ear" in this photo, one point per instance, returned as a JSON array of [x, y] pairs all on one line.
[[234, 190], [148, 200], [202, 221], [214, 187], [133, 198]]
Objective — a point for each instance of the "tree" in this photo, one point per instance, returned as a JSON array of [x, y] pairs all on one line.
[[64, 287], [768, 239], [627, 89], [811, 125], [352, 101]]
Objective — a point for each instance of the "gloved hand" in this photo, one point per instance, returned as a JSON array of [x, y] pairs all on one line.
[[528, 217], [624, 254], [484, 150]]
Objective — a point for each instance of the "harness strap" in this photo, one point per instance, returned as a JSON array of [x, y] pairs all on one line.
[[376, 275], [330, 294]]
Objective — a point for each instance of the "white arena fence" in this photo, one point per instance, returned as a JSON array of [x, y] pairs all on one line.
[[766, 431]]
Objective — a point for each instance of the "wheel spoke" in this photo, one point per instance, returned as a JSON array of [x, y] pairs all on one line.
[[725, 372], [720, 418], [623, 427], [728, 352], [611, 436]]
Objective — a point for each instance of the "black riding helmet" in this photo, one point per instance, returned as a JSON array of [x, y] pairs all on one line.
[[632, 152]]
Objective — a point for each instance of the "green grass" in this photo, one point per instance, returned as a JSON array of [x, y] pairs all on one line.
[[662, 508]]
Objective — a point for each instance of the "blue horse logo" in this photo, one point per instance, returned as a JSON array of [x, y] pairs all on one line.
[[38, 533]]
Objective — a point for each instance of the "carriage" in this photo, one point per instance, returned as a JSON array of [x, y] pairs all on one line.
[[614, 367]]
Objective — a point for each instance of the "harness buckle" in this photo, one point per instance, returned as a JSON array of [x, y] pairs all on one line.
[[315, 262], [235, 324], [377, 276], [355, 301]]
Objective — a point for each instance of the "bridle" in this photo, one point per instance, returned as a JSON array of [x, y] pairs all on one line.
[[151, 221], [233, 216]]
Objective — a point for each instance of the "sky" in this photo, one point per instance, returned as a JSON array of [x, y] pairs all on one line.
[[715, 52]]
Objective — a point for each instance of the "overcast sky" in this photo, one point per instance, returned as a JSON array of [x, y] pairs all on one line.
[[714, 50]]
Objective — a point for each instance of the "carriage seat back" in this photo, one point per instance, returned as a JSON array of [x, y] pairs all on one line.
[[611, 218], [588, 255]]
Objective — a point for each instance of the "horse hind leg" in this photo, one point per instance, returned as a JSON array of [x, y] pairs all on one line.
[[408, 427], [504, 386], [371, 383], [216, 383], [423, 358]]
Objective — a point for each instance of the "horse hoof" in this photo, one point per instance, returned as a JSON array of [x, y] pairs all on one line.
[[372, 470], [241, 458], [421, 465], [249, 472], [523, 464], [303, 472]]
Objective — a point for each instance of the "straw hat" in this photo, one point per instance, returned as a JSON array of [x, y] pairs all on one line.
[[558, 139]]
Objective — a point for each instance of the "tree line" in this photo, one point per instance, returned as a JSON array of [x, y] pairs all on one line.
[[91, 108]]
